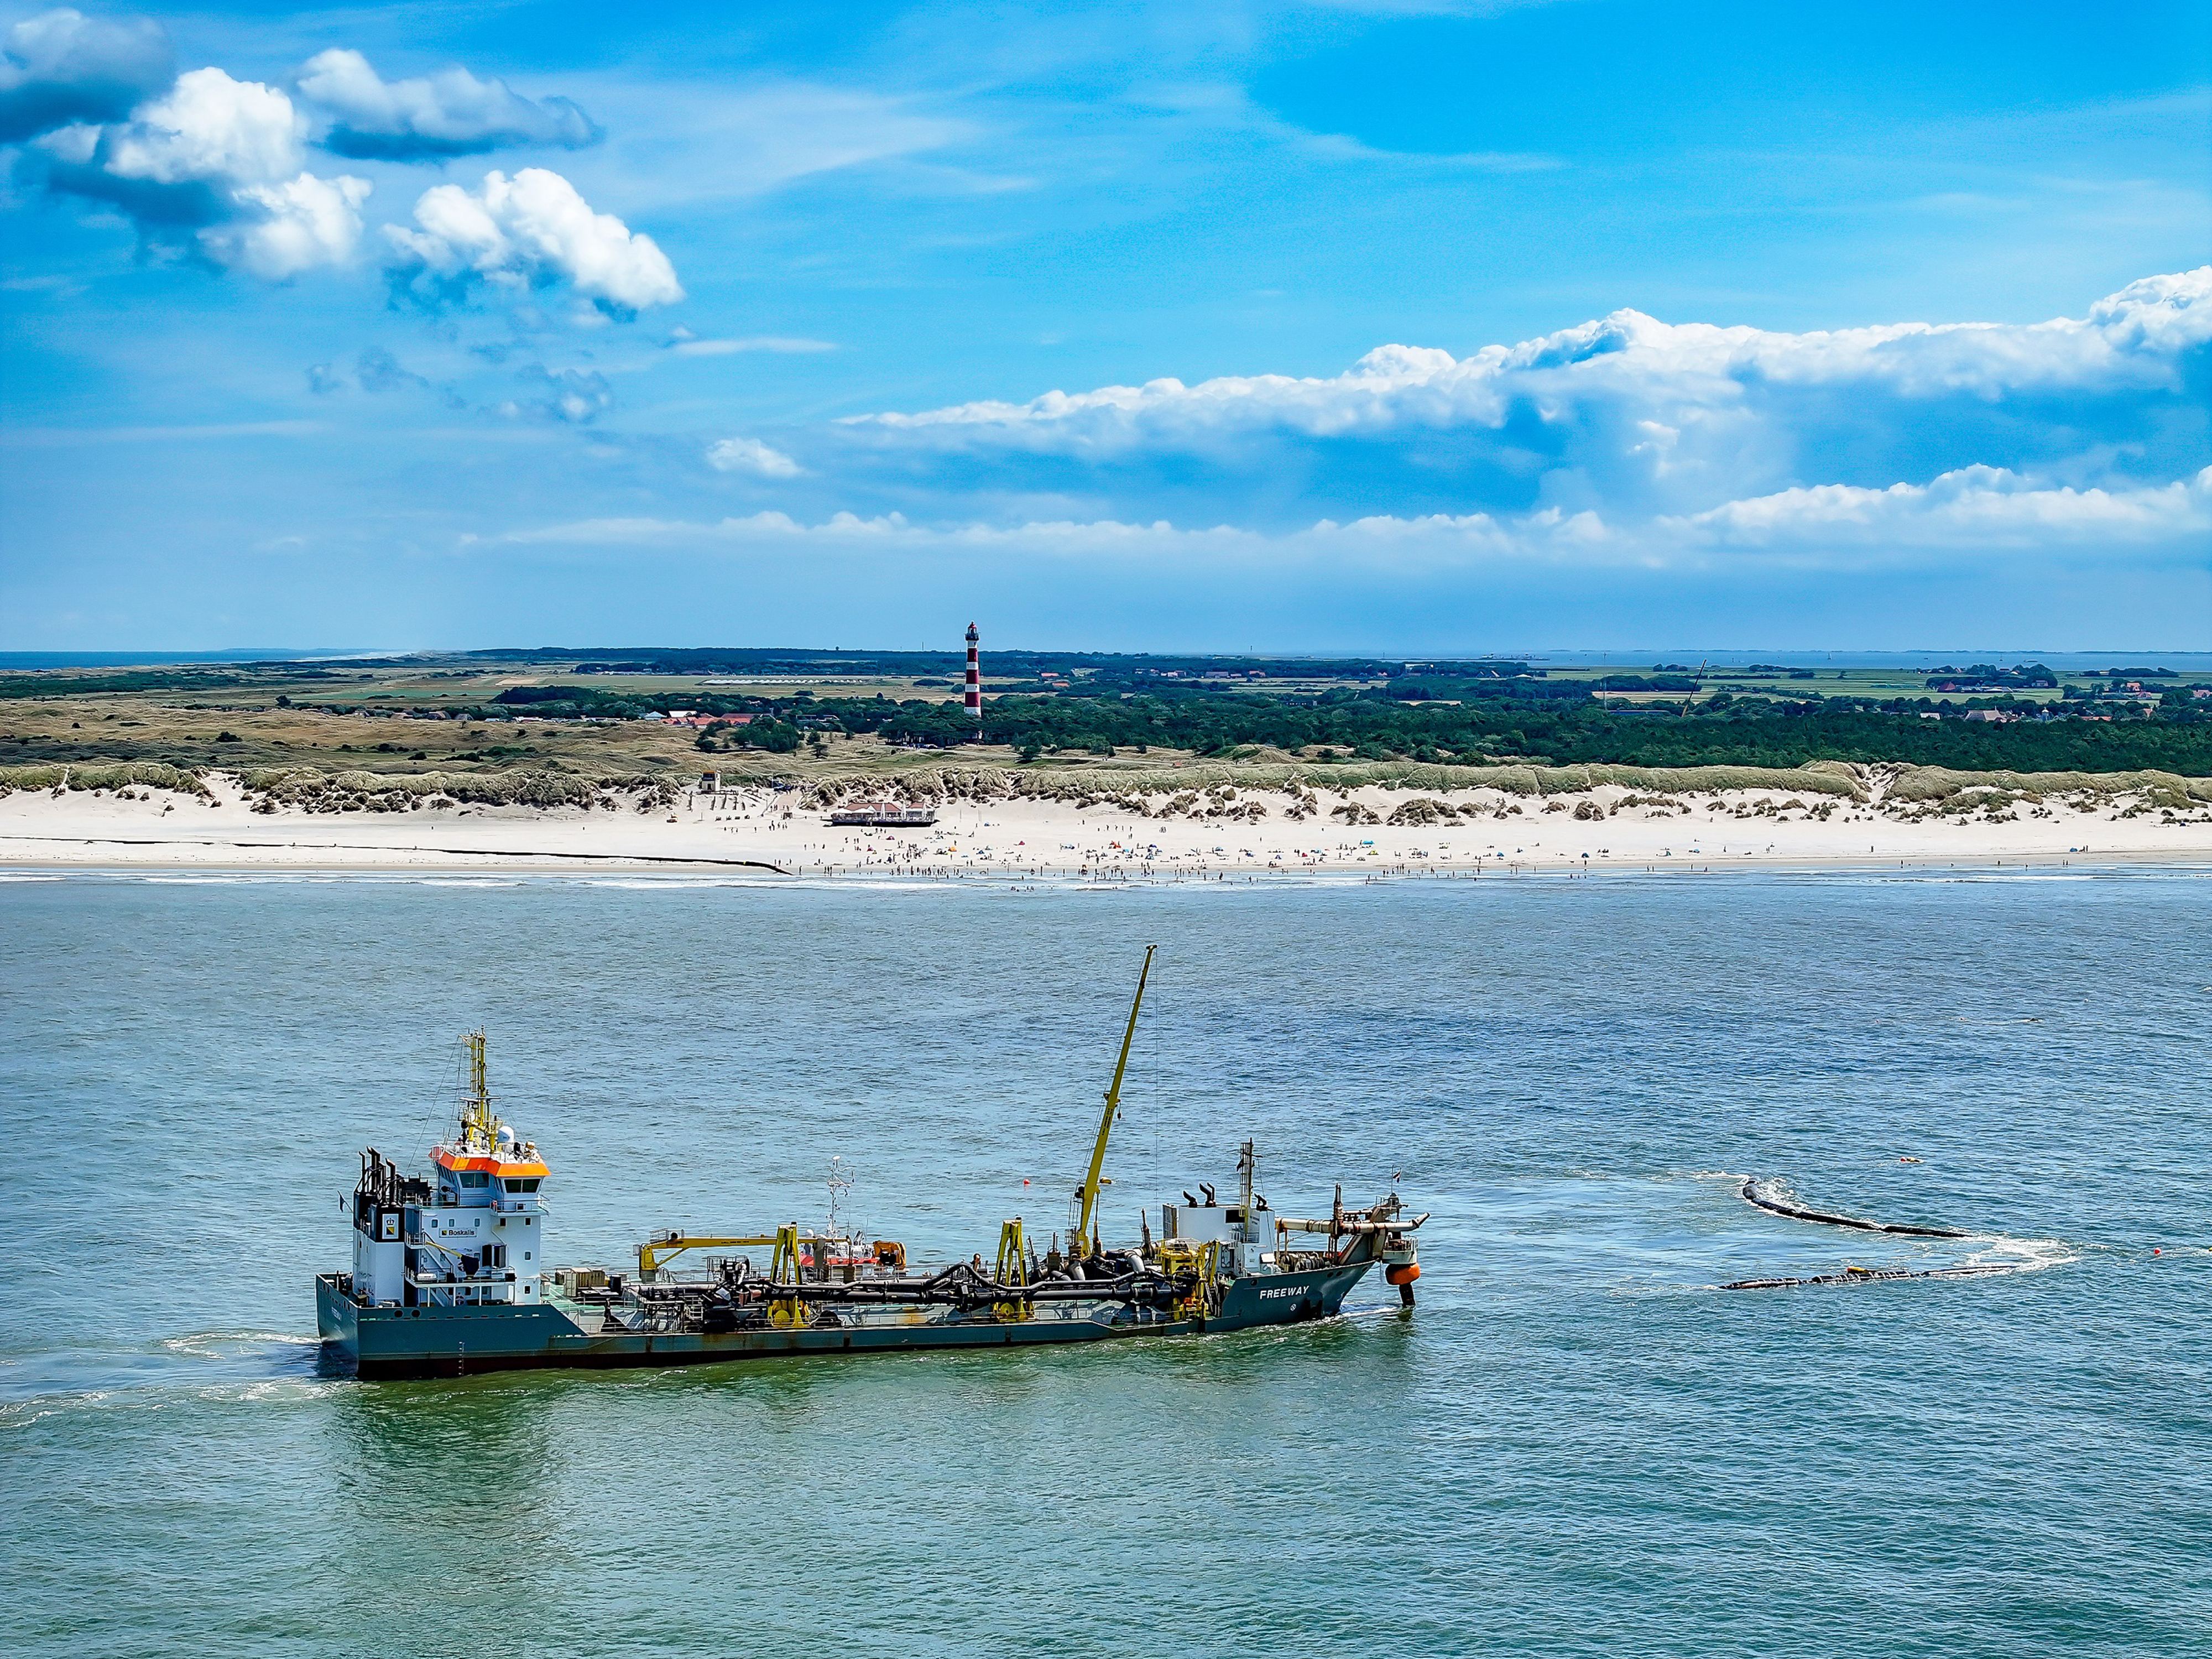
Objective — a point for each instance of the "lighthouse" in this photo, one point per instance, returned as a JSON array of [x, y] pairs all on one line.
[[973, 698]]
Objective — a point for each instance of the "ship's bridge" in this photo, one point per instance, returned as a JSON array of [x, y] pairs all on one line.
[[474, 1233], [505, 1176]]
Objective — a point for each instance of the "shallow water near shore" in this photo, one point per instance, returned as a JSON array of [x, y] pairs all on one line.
[[1578, 1444]]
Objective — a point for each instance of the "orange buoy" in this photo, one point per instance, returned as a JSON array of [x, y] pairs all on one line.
[[1402, 1275]]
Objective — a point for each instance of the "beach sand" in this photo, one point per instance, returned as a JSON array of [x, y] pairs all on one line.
[[767, 833]]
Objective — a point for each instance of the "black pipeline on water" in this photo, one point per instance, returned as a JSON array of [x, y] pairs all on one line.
[[1798, 1212], [1850, 1275]]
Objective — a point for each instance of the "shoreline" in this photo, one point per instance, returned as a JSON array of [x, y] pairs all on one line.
[[767, 836], [14, 870]]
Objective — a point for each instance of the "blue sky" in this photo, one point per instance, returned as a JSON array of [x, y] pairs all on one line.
[[1588, 324]]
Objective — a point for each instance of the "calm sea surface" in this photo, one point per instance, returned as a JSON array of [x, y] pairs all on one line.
[[1577, 1445]]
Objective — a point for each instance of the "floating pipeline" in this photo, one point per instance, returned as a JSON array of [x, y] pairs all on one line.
[[1867, 1276], [1798, 1212]]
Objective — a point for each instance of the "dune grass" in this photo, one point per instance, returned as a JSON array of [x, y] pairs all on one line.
[[111, 774], [317, 791], [1048, 783], [1920, 784]]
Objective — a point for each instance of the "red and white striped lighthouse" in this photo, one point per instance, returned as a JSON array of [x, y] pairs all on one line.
[[974, 696]]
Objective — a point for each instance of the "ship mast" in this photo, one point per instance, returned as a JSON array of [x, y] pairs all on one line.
[[1080, 1245], [477, 1123]]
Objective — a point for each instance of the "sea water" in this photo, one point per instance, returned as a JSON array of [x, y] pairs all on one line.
[[1577, 1445]]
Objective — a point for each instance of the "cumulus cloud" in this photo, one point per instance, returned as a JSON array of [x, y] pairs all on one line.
[[214, 165], [750, 455], [1625, 416], [210, 127], [531, 230], [431, 117], [291, 227], [62, 67], [2132, 339]]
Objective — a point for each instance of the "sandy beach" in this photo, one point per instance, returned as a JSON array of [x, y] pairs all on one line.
[[767, 833]]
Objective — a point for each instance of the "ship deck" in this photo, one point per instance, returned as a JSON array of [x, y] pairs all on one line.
[[387, 1341]]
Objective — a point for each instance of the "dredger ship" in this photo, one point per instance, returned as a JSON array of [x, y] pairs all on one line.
[[449, 1277]]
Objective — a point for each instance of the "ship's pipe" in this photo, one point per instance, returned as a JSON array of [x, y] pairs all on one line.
[[973, 1291], [1796, 1213], [1298, 1224], [1866, 1275]]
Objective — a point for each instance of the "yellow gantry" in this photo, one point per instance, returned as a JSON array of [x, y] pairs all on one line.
[[655, 1253], [1013, 1266]]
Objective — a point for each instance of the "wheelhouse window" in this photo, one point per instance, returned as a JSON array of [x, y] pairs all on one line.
[[522, 1183], [474, 1178]]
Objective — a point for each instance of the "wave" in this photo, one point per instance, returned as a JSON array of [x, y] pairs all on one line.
[[232, 1345]]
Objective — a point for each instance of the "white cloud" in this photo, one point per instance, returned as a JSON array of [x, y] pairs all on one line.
[[1980, 511], [751, 455], [304, 222], [531, 229], [2132, 339], [430, 117], [1984, 507], [1627, 418], [214, 165], [62, 67], [211, 128], [685, 346]]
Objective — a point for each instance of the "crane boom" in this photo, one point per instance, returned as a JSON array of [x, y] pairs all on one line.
[[1079, 1245]]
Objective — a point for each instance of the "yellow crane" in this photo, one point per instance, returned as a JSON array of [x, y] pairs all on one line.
[[1084, 1241]]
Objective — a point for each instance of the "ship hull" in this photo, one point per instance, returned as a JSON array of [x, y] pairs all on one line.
[[390, 1342]]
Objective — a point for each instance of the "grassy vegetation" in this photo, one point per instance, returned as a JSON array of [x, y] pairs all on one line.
[[1937, 783], [130, 775], [564, 728], [1137, 784], [316, 791]]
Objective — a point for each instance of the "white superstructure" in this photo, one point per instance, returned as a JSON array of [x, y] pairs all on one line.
[[472, 1234]]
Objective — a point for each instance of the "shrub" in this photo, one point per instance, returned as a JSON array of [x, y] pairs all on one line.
[[316, 791], [1937, 783], [120, 774], [1423, 810]]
